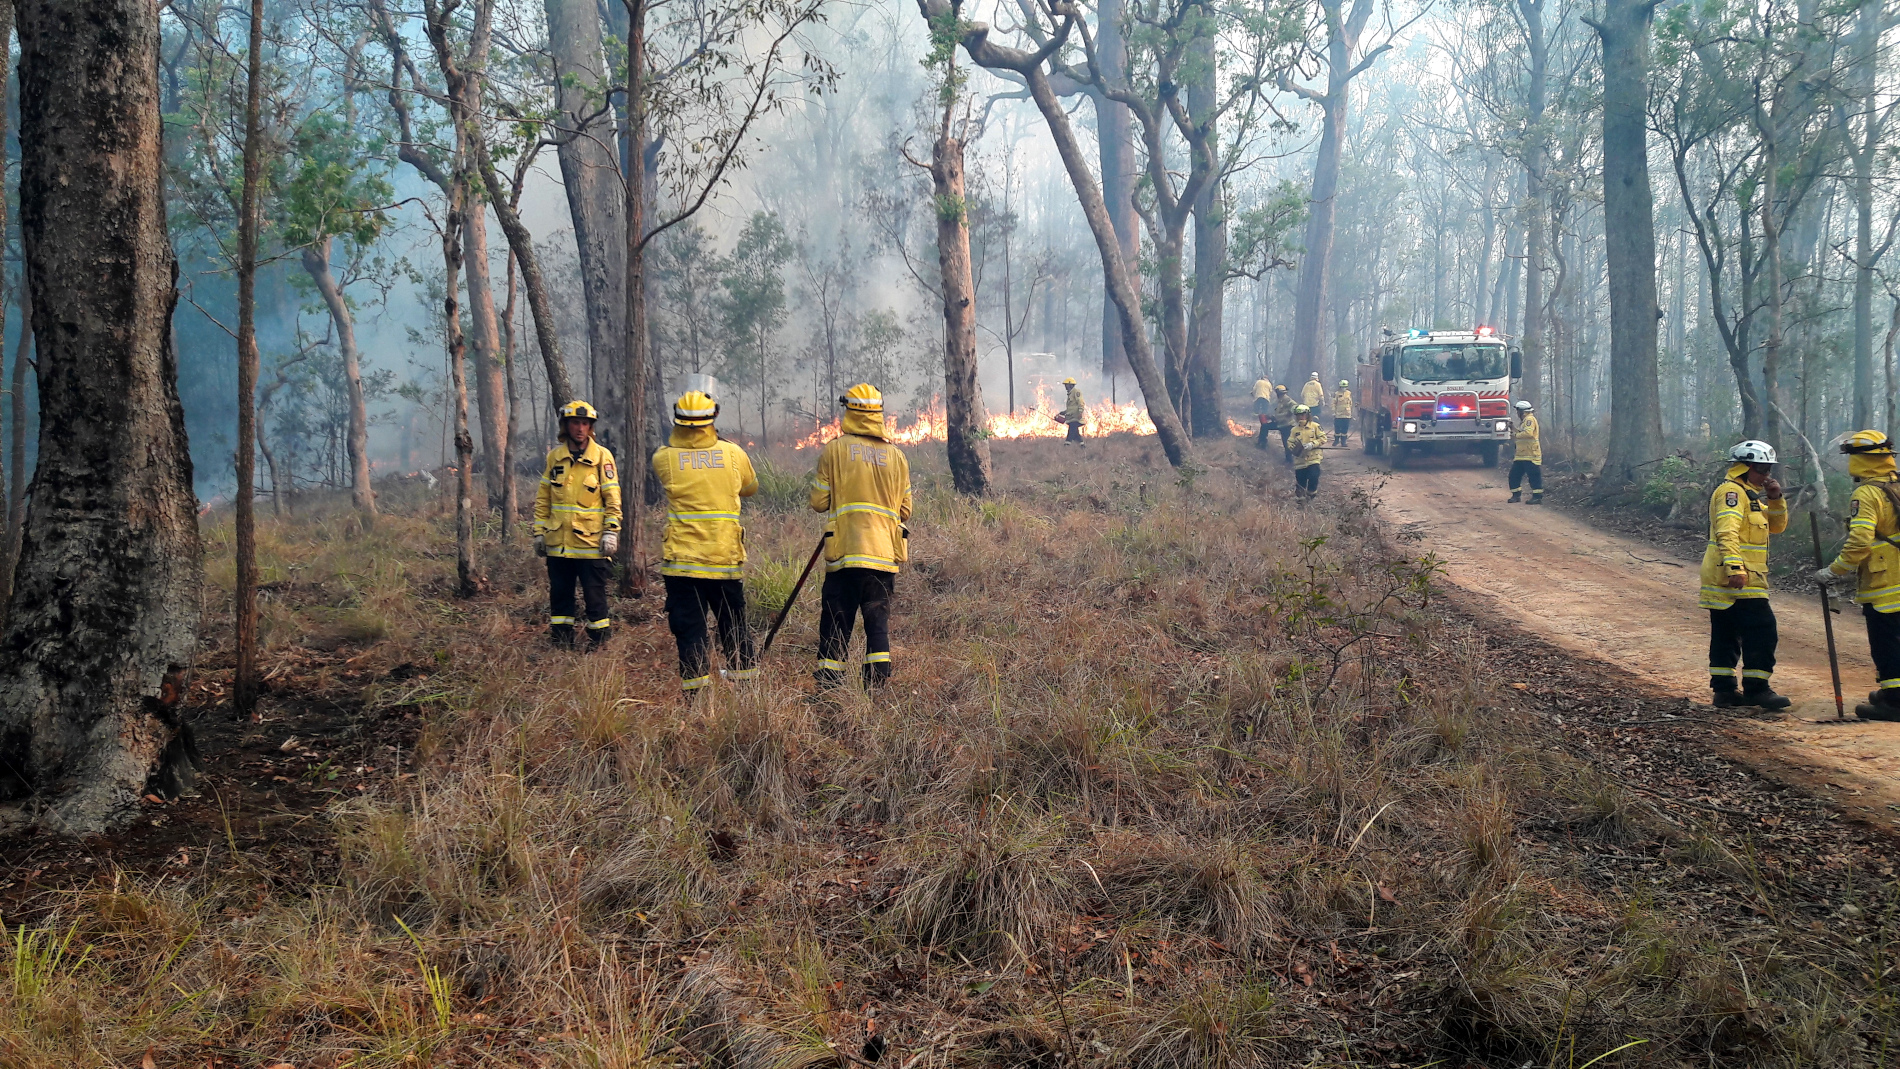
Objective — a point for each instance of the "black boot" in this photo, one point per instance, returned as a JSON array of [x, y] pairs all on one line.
[[596, 638], [1516, 496], [1764, 698], [828, 678], [1537, 497], [1729, 699], [1881, 705], [562, 636], [876, 674]]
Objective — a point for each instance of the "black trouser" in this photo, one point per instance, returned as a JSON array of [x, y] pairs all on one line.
[[847, 593], [1075, 431], [1284, 429], [591, 573], [1306, 480], [1743, 633], [687, 602], [1266, 431], [1342, 426], [1883, 641], [1522, 469]]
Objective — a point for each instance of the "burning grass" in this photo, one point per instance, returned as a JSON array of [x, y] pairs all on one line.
[[1171, 774]]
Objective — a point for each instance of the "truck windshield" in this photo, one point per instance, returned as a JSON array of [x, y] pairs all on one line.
[[1456, 362]]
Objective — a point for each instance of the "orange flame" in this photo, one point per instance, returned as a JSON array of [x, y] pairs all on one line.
[[1098, 421]]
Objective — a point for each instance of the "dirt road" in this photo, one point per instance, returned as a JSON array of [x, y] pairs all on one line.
[[1616, 599]]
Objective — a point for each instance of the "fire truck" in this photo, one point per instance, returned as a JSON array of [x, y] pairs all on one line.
[[1436, 392]]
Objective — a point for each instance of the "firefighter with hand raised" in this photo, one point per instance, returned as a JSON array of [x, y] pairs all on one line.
[[1744, 510], [1309, 442], [577, 526], [862, 485], [1342, 413], [1527, 458], [1263, 409], [1074, 412], [1872, 553], [702, 550]]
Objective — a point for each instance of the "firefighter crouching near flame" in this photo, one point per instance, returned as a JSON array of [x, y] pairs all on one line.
[[1263, 409], [1309, 442], [1873, 551], [1342, 413], [702, 551], [1527, 457], [1283, 406], [863, 486], [577, 526], [1074, 413], [1744, 510]]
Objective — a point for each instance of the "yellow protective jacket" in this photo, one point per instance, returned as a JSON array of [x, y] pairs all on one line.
[[1873, 527], [1283, 408], [1262, 390], [862, 485], [1342, 405], [704, 479], [1740, 521], [1310, 436], [577, 499], [1076, 410], [1312, 394], [1530, 444]]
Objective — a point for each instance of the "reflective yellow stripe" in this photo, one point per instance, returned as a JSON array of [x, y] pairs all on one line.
[[1755, 673], [696, 682], [820, 484], [1714, 671], [598, 624], [560, 619], [829, 665], [691, 570], [1889, 684], [578, 553], [689, 517], [865, 506], [581, 509], [861, 560], [877, 658], [742, 674]]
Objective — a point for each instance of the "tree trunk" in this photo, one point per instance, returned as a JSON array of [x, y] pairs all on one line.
[[968, 446], [1309, 301], [316, 263], [491, 402], [104, 619], [1629, 241], [635, 462], [590, 173], [6, 63], [1865, 54], [1205, 337], [547, 330], [1169, 251], [1771, 262], [510, 506], [244, 693], [1536, 220], [16, 444], [1115, 138]]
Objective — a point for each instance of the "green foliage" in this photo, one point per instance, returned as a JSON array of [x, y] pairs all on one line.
[[1668, 482], [325, 190], [752, 308], [1264, 235]]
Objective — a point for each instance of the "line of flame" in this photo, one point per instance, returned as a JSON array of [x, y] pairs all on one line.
[[1098, 421]]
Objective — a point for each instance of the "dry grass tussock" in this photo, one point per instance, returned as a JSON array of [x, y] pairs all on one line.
[[1171, 774]]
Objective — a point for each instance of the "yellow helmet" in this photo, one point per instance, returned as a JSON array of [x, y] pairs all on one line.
[[1301, 410], [694, 409], [1070, 381], [579, 410], [1862, 443], [1343, 384], [863, 398]]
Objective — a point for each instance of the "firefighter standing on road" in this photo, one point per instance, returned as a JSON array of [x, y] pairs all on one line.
[[1309, 442], [1313, 393], [1873, 551], [1744, 510], [702, 552], [1263, 409], [863, 486], [1342, 413], [1075, 413], [1283, 407], [1527, 460], [577, 525]]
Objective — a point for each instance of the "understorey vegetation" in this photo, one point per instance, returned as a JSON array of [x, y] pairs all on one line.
[[1171, 773]]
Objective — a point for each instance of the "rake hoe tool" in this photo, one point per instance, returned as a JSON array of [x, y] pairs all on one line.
[[1827, 621], [792, 599]]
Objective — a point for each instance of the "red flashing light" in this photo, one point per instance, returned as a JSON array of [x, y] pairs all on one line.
[[1486, 332]]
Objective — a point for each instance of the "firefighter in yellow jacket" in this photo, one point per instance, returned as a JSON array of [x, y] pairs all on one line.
[[862, 485], [1312, 393], [1263, 409], [1872, 553], [1283, 406], [577, 526], [1527, 457], [702, 551], [1074, 412], [1744, 510], [1342, 413], [1309, 448]]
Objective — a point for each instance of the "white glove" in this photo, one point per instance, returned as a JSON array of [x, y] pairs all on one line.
[[1827, 576], [540, 544], [609, 542]]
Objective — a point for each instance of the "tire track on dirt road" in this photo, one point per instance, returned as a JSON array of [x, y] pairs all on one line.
[[1608, 597]]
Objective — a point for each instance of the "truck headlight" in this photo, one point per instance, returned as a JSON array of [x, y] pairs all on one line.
[[1411, 428], [1503, 428]]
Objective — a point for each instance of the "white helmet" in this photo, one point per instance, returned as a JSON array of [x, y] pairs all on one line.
[[1753, 452], [1525, 406]]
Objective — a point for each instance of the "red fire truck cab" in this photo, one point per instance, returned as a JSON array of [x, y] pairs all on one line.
[[1440, 391]]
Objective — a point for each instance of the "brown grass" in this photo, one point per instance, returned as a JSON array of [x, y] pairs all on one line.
[[1170, 775]]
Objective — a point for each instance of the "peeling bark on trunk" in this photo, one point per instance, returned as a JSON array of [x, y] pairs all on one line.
[[491, 403], [245, 687], [316, 263], [104, 621], [16, 444], [1629, 233], [966, 444], [590, 174]]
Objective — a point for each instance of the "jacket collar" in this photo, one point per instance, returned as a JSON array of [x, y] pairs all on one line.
[[863, 424], [594, 454], [693, 437]]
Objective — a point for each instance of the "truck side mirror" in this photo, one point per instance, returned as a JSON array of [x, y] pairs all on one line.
[[1517, 364], [1385, 367]]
